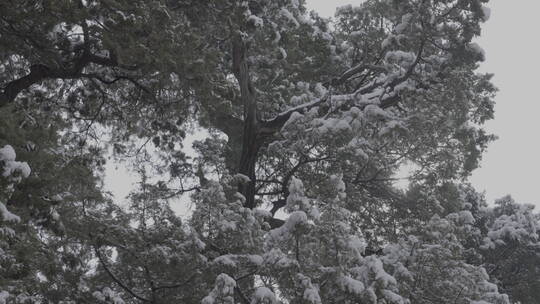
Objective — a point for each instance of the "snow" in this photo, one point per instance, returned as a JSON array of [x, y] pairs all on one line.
[[263, 295], [276, 258], [294, 220], [388, 41], [399, 56], [255, 259], [405, 20], [311, 294], [375, 111], [278, 37], [351, 285], [283, 53], [287, 14], [262, 213], [337, 181], [390, 126], [466, 217], [296, 199], [25, 169], [242, 178], [225, 260], [113, 296], [4, 295], [356, 244], [55, 216], [332, 125], [228, 282], [520, 225], [225, 225], [376, 266], [293, 118], [341, 125], [108, 295], [506, 227], [405, 85], [98, 295], [300, 107], [357, 34], [257, 21], [338, 100], [393, 297], [223, 291], [7, 157], [320, 89], [8, 216], [7, 153], [296, 186], [314, 213]]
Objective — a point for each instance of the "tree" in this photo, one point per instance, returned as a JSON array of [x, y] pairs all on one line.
[[307, 119], [510, 248]]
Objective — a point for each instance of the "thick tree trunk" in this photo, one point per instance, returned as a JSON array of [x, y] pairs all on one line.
[[248, 161], [250, 143]]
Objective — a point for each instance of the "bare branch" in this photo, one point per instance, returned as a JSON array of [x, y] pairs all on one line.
[[115, 279]]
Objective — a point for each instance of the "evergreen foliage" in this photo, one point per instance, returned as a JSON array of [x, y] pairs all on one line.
[[293, 194]]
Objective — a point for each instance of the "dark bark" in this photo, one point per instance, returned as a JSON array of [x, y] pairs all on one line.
[[12, 89], [41, 72], [250, 142]]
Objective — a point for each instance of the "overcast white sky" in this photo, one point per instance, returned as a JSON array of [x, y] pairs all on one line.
[[512, 44]]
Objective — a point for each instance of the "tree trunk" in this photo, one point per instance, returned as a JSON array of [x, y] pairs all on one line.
[[250, 143]]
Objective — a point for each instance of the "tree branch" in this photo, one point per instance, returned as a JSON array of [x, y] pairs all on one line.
[[40, 72], [115, 279]]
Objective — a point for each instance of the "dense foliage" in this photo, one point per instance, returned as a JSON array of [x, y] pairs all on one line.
[[292, 191]]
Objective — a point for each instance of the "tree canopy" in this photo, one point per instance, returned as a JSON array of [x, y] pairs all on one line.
[[309, 124]]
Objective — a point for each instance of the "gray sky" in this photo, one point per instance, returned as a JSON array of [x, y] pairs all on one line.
[[512, 47], [510, 39]]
